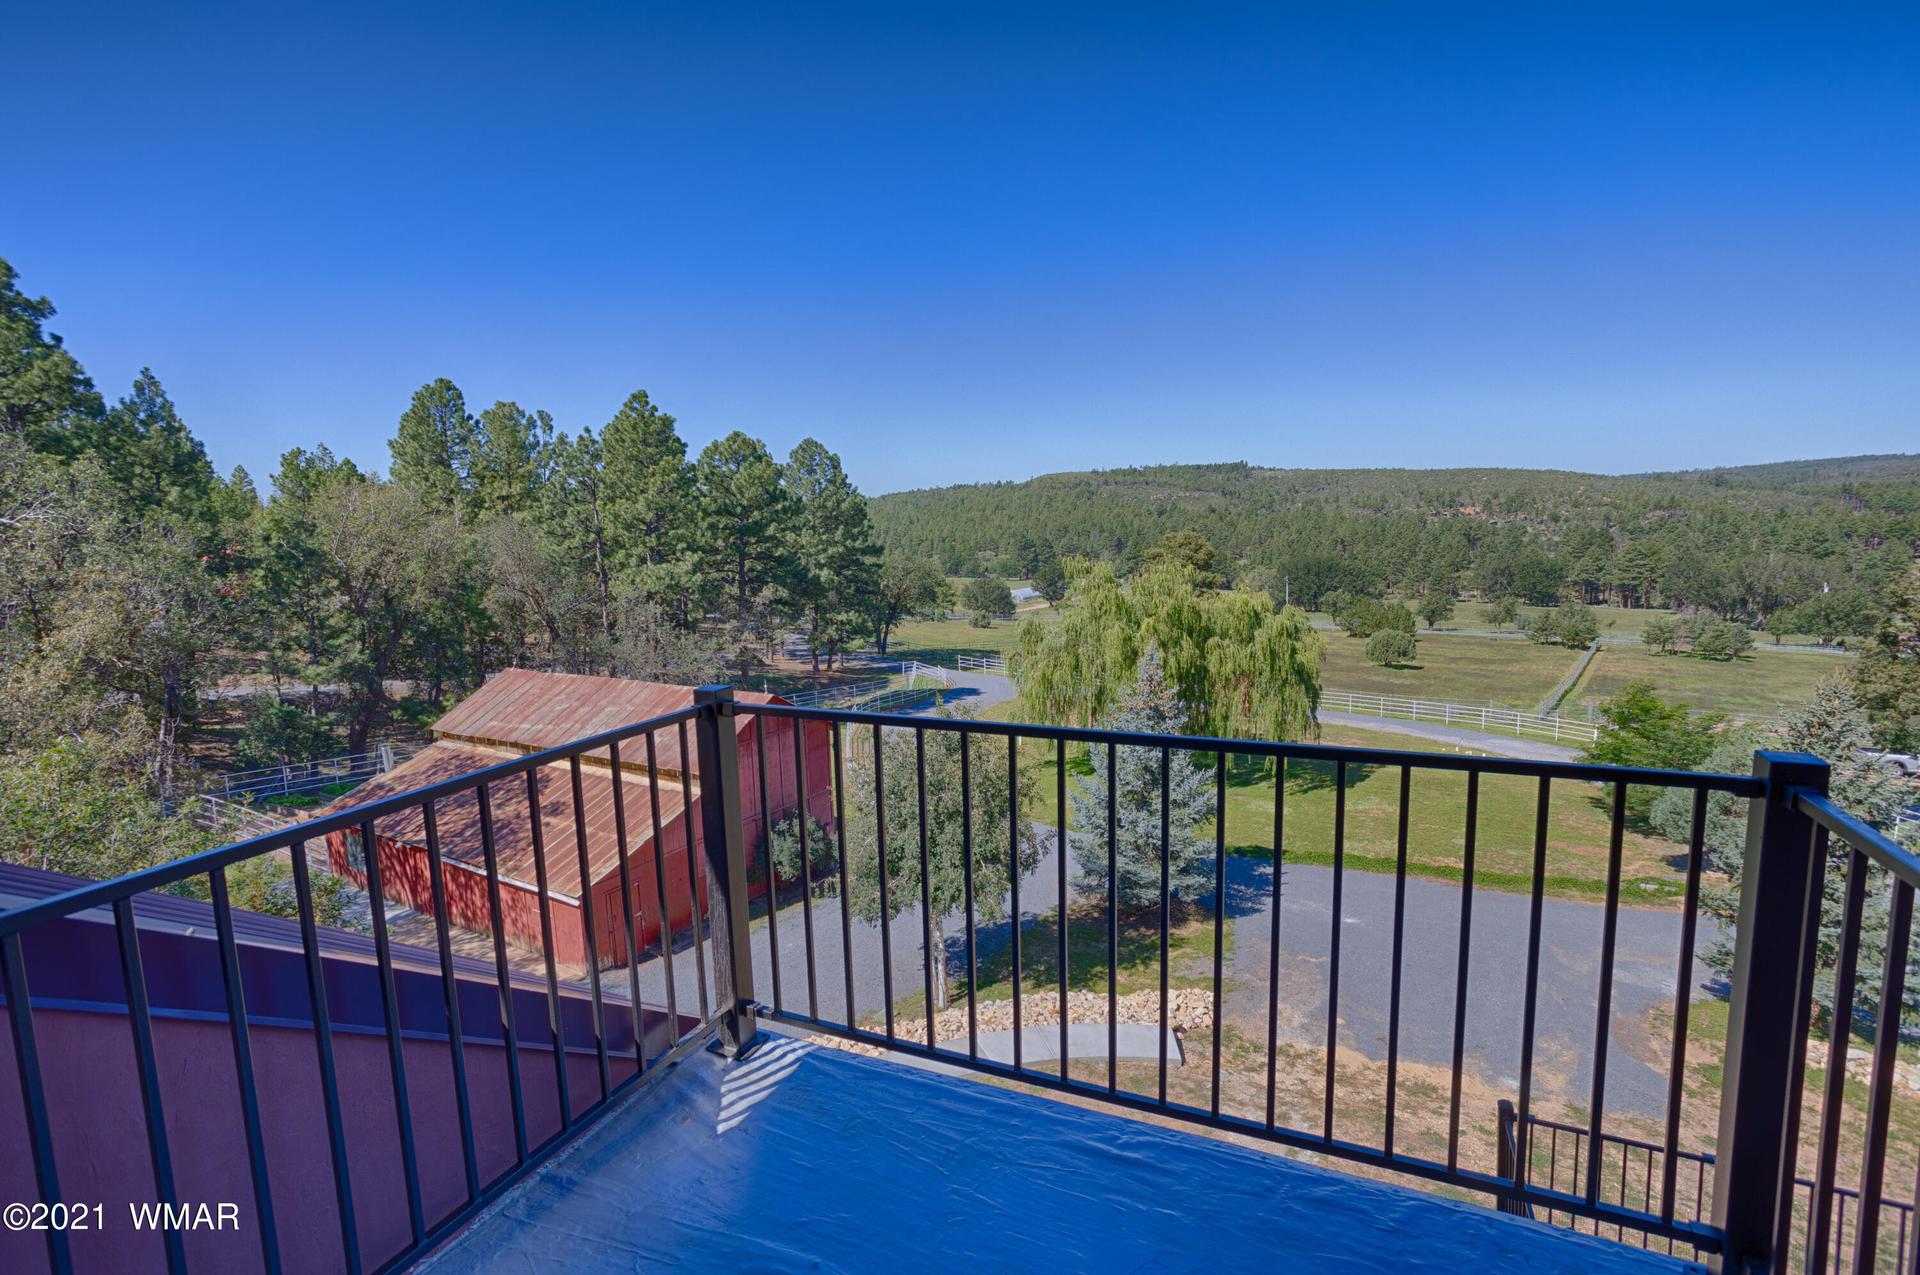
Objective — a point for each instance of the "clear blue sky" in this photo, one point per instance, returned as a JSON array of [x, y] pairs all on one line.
[[975, 243]]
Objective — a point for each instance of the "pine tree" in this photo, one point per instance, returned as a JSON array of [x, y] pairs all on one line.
[[649, 498], [833, 546], [433, 448], [1150, 705]]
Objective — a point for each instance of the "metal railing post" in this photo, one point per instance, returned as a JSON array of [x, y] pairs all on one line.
[[1771, 986], [724, 840]]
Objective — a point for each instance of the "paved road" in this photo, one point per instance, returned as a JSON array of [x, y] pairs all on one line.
[[1645, 966], [1486, 741]]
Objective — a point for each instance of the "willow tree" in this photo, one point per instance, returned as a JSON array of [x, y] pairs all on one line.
[[1239, 665]]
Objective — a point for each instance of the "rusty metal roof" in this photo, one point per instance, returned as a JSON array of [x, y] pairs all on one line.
[[530, 710], [458, 817]]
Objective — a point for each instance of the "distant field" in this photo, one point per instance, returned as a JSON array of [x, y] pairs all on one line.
[[1462, 670], [941, 640], [1762, 685], [1578, 825]]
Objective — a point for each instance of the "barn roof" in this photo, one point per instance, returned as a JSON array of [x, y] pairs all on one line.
[[530, 710], [458, 817]]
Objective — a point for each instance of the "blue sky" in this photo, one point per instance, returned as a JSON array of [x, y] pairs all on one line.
[[974, 242]]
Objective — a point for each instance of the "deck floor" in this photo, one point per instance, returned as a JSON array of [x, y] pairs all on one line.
[[806, 1158]]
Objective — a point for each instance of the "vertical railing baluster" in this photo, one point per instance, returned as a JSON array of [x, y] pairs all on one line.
[[628, 904], [243, 1065], [1682, 1003], [966, 872], [1166, 904], [724, 843], [926, 883], [693, 879], [1219, 918], [1333, 942], [1469, 846], [1013, 873], [323, 1048], [1768, 1012], [1273, 937], [1393, 982], [1523, 1125], [556, 1024], [147, 1064], [450, 993], [661, 896], [1113, 920], [840, 832], [1603, 1011], [33, 1094], [773, 871], [886, 906], [1062, 852], [1886, 1054], [1834, 1095], [806, 864], [496, 914], [588, 929]]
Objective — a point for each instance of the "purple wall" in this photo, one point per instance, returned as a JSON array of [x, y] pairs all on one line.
[[99, 1131]]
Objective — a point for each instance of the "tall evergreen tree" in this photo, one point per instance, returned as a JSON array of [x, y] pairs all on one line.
[[1150, 706], [152, 457], [44, 392], [837, 561], [745, 547], [647, 490], [434, 445], [510, 450]]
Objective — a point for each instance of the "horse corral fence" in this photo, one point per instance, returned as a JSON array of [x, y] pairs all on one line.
[[1486, 717], [877, 694]]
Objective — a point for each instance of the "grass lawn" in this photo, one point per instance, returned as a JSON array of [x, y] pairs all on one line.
[[1461, 670], [1764, 684], [1578, 825], [1706, 1047], [933, 640]]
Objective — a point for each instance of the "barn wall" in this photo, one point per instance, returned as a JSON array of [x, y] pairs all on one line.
[[640, 862], [405, 877]]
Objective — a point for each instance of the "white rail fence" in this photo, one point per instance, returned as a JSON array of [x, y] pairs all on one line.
[[983, 663], [1486, 717], [878, 694], [310, 776]]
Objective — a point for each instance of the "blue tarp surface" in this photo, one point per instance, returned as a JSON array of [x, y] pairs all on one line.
[[801, 1157]]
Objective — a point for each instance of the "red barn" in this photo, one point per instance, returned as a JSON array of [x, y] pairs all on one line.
[[520, 711]]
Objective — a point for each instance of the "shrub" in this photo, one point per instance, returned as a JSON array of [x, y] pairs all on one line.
[[1722, 640], [1392, 647]]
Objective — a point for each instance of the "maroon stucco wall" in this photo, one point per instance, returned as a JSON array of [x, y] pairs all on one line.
[[94, 1104]]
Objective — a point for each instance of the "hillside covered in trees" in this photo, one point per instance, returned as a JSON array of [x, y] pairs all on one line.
[[147, 600], [1751, 543]]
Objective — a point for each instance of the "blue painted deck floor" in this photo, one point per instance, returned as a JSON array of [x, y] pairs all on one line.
[[807, 1158]]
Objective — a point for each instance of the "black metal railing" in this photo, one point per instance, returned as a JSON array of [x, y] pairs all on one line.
[[1742, 1211], [1632, 1166], [1661, 1218], [638, 1056]]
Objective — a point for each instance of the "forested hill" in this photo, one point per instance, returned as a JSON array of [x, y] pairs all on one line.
[[1745, 541]]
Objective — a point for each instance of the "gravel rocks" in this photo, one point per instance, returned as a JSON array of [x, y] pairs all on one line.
[[1189, 1009]]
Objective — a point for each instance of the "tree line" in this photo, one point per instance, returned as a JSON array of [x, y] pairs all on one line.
[[138, 586], [1807, 548]]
